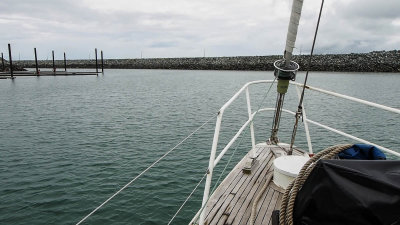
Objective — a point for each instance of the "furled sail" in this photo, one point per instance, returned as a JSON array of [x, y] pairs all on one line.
[[292, 30]]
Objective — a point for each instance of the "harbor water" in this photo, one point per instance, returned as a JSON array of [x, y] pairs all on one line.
[[69, 143]]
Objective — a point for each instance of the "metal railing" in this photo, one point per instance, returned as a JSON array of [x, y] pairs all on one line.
[[214, 160]]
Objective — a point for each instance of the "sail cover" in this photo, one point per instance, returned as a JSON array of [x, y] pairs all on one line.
[[350, 192]]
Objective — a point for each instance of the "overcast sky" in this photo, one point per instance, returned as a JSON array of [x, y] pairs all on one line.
[[188, 28]]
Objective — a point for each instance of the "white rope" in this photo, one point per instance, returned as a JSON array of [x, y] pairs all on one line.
[[257, 199], [190, 195], [144, 171]]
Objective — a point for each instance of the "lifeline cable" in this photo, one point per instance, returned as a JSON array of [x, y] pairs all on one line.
[[299, 108], [190, 195], [144, 171]]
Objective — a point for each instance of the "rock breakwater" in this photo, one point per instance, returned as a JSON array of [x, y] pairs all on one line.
[[377, 61], [7, 66]]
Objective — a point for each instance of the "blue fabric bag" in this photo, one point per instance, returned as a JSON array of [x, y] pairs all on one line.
[[363, 152]]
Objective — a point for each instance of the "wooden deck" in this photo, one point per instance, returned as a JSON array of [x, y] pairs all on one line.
[[232, 201]]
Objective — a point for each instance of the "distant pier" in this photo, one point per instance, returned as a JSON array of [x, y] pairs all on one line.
[[10, 71]]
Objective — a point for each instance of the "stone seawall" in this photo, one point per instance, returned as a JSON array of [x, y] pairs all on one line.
[[7, 66], [379, 61]]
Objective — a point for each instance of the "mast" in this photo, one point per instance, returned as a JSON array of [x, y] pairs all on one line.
[[292, 30], [285, 69]]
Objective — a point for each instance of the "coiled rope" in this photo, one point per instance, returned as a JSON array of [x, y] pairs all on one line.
[[286, 211], [144, 171]]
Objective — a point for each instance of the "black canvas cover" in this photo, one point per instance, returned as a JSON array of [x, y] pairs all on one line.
[[350, 192]]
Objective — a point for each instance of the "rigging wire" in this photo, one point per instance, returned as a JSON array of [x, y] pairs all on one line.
[[144, 171], [219, 178], [190, 195], [162, 157], [299, 108]]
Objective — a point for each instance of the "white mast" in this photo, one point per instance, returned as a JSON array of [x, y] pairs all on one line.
[[285, 69], [292, 30]]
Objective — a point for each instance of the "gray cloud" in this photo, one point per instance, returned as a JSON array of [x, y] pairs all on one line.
[[368, 9], [165, 44], [178, 28]]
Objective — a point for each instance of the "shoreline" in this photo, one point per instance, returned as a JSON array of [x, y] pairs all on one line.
[[377, 61]]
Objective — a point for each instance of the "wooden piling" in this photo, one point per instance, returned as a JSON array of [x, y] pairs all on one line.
[[36, 63], [102, 62], [10, 59], [2, 62], [95, 53], [65, 63], [54, 66]]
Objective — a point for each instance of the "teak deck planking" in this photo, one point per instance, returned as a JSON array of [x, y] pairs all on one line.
[[232, 201]]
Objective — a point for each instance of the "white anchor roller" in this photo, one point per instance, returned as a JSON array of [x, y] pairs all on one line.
[[286, 169]]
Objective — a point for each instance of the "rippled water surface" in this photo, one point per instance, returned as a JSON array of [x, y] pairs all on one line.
[[68, 143]]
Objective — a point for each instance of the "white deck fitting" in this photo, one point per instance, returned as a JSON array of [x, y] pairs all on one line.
[[286, 169], [232, 201]]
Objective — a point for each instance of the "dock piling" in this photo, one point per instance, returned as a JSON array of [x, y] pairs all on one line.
[[97, 67], [36, 63], [65, 63], [54, 66], [102, 62], [7, 69], [10, 59], [2, 62]]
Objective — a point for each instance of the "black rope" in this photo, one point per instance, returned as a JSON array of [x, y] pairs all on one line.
[[299, 112]]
